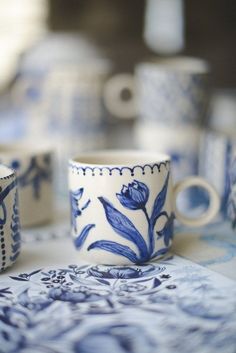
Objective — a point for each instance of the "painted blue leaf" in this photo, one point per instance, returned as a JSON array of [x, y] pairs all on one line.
[[86, 205], [159, 201], [124, 227], [160, 252], [78, 193], [156, 283], [79, 241], [34, 272], [114, 248], [103, 281], [19, 279], [14, 257]]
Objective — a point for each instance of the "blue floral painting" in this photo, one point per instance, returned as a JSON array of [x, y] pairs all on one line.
[[171, 306], [133, 197]]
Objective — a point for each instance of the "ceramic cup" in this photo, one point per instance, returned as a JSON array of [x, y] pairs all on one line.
[[33, 166], [231, 202], [10, 241], [169, 91], [123, 205], [215, 158]]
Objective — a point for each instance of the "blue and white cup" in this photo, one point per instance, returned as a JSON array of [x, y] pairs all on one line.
[[231, 202], [10, 240], [170, 91], [123, 205], [215, 159], [34, 169]]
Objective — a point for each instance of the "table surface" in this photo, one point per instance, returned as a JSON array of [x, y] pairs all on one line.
[[50, 301]]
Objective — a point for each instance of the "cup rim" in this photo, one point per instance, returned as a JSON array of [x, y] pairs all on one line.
[[9, 172], [131, 158], [183, 65]]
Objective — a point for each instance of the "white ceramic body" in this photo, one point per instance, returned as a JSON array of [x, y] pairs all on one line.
[[34, 168], [164, 26], [222, 112], [10, 241], [108, 223]]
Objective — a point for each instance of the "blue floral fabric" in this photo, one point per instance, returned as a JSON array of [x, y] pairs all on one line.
[[169, 306]]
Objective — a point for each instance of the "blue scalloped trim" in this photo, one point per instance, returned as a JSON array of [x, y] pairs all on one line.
[[100, 170]]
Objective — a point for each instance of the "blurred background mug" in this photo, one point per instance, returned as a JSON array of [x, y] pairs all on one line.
[[34, 168], [10, 240]]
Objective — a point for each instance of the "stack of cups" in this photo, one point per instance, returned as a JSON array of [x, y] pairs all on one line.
[[171, 99], [172, 102]]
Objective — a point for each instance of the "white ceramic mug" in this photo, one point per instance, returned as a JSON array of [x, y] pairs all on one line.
[[34, 166], [123, 205], [168, 90], [10, 241]]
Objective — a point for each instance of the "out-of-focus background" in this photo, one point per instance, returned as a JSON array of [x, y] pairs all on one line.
[[58, 83]]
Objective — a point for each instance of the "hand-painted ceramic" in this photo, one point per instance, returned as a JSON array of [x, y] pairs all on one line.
[[173, 91], [123, 205], [10, 240], [215, 158], [168, 91], [231, 202], [33, 166]]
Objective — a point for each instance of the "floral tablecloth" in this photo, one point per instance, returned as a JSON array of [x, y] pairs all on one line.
[[50, 301]]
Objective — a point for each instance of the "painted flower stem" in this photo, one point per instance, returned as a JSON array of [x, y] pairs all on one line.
[[150, 231]]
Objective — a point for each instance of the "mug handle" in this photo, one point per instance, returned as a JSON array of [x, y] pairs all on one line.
[[212, 210], [116, 104]]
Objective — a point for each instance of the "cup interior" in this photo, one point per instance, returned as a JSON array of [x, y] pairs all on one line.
[[120, 158], [5, 172]]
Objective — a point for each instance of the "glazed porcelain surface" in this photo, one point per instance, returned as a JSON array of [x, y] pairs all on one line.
[[33, 166], [123, 206], [10, 241]]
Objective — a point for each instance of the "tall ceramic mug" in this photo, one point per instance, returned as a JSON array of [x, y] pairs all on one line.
[[10, 241], [33, 165], [123, 205], [168, 90]]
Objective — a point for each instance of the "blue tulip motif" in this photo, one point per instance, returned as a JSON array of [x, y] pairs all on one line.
[[134, 197]]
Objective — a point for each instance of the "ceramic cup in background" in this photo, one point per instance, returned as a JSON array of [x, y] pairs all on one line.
[[182, 143], [169, 91], [33, 165], [215, 158], [231, 202], [123, 205], [10, 240]]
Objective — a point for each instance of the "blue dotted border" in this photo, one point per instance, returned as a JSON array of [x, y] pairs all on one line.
[[152, 167], [2, 249]]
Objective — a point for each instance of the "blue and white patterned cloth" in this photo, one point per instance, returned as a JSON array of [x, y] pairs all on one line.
[[52, 302]]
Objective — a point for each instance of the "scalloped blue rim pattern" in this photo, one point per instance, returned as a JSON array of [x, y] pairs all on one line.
[[152, 168]]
